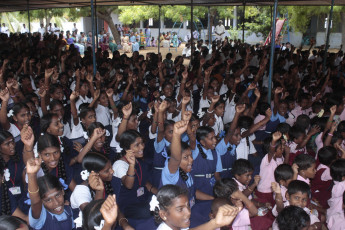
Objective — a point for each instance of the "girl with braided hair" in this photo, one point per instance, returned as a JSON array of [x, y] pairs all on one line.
[[8, 203], [177, 171], [10, 160], [207, 162], [99, 183]]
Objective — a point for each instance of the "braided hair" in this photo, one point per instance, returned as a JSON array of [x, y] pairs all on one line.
[[46, 141], [165, 197], [4, 135], [201, 134], [94, 161], [5, 199]]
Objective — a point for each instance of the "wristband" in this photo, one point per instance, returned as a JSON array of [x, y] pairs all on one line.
[[330, 134], [38, 189]]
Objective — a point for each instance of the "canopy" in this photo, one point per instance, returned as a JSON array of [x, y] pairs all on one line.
[[22, 5]]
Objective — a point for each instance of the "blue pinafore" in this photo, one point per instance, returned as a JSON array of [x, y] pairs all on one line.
[[228, 160], [158, 164], [203, 173], [52, 223]]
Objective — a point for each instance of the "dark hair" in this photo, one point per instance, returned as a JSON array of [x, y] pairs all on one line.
[[245, 122], [341, 127], [217, 202], [302, 121], [327, 155], [283, 128], [338, 170], [167, 123], [91, 214], [127, 138], [8, 222], [283, 172], [19, 106], [4, 135], [5, 199], [304, 161], [93, 126], [295, 132], [94, 161], [241, 166], [84, 110], [47, 182], [219, 102], [292, 218], [262, 108], [224, 188], [54, 87], [46, 141], [201, 134], [165, 197], [298, 186], [267, 144], [184, 147], [46, 120]]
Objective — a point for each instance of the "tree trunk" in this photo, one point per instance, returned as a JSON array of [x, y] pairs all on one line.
[[342, 15], [106, 16]]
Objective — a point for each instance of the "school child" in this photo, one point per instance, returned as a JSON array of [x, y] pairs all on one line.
[[242, 172], [84, 87], [101, 214], [306, 167], [279, 111], [20, 114], [13, 162], [177, 170], [48, 209], [162, 143], [298, 194], [274, 148], [292, 218], [299, 141], [207, 163], [171, 211], [53, 163], [87, 116], [9, 204], [101, 103], [217, 109], [228, 188], [99, 183], [134, 173], [337, 220], [321, 185], [227, 149], [338, 176], [283, 175]]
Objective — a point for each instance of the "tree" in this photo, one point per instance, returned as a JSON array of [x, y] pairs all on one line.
[[104, 12]]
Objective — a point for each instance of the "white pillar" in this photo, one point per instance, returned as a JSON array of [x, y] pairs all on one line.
[[141, 24], [234, 22]]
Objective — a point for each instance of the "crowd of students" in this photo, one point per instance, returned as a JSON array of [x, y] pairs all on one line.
[[149, 143]]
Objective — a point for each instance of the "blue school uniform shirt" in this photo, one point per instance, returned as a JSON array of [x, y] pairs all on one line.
[[228, 156], [52, 221]]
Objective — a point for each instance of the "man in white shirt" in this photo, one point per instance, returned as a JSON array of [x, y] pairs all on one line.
[[56, 30], [220, 30], [4, 29], [74, 28], [50, 28], [42, 30], [24, 29]]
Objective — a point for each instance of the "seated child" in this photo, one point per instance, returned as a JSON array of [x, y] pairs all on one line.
[[274, 148], [283, 175], [293, 218], [306, 167], [321, 185], [337, 220], [298, 194]]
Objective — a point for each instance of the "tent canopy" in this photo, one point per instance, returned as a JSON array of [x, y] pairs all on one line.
[[22, 5]]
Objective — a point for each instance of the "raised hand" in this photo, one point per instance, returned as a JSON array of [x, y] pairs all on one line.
[[89, 78], [257, 92], [48, 72], [276, 188], [109, 92], [333, 109], [268, 113], [27, 136], [226, 215], [295, 168], [276, 136], [5, 95], [130, 156], [97, 133], [257, 179], [109, 210], [77, 146], [96, 94], [9, 83], [186, 116], [95, 182], [180, 127], [215, 99], [185, 100], [127, 110], [163, 106], [240, 108], [74, 95], [185, 74], [314, 130], [278, 90], [252, 86], [33, 165]]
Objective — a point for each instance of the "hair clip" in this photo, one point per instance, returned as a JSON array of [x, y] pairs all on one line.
[[64, 185], [10, 113], [7, 174], [154, 203], [84, 174], [101, 224]]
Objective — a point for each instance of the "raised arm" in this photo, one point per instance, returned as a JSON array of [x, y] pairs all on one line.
[[32, 167], [161, 111], [256, 126], [4, 96], [28, 139], [110, 93], [126, 111], [97, 133], [176, 154]]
